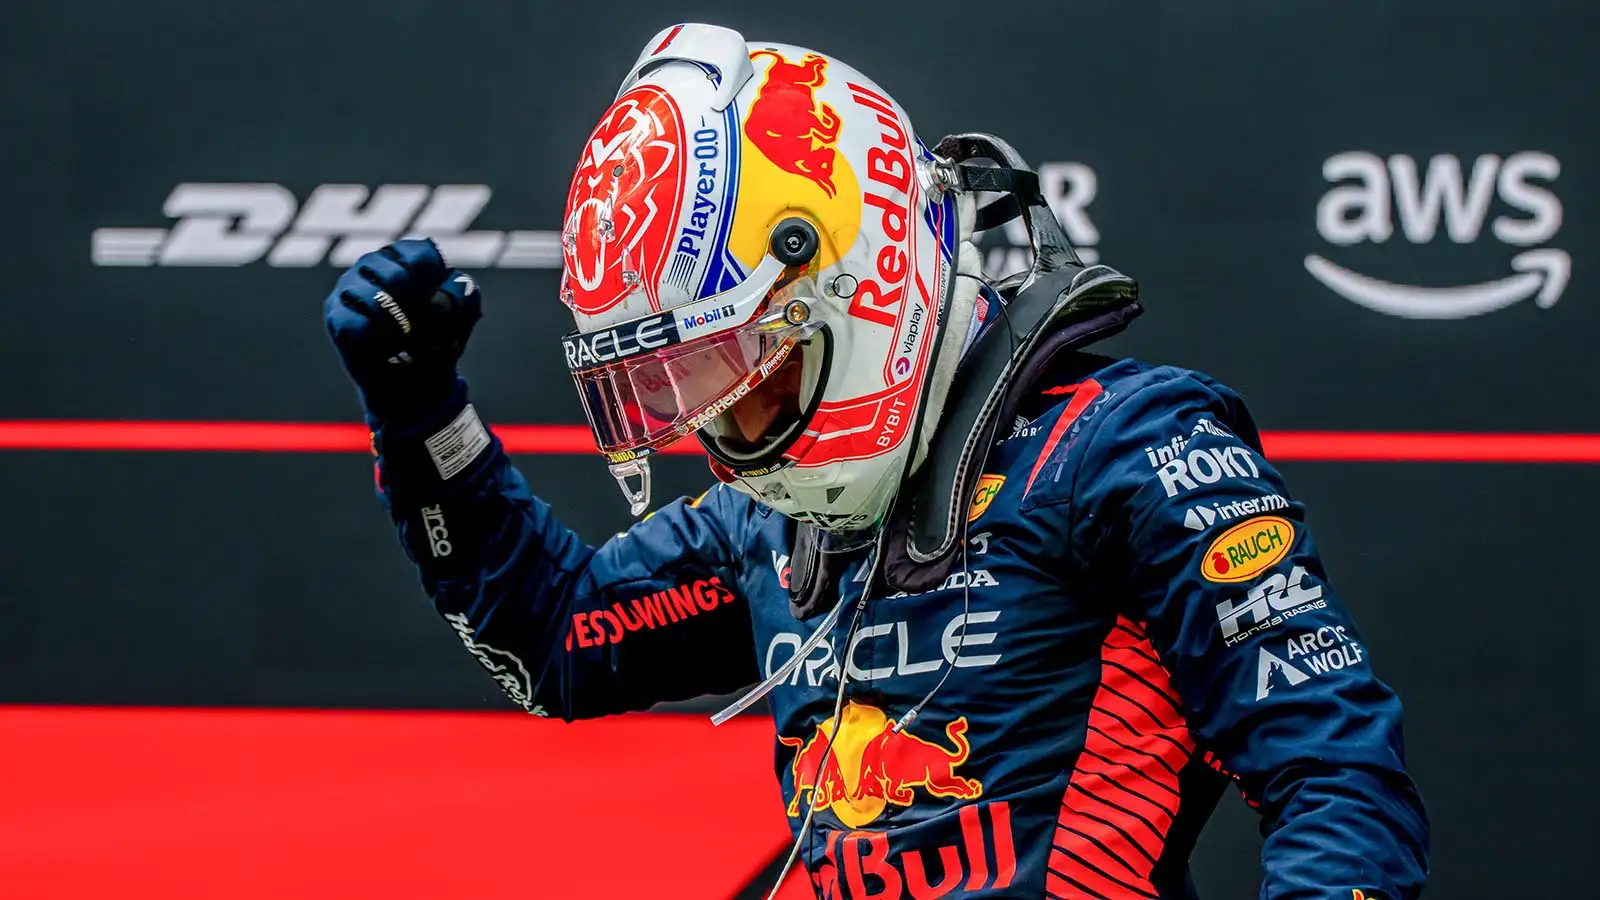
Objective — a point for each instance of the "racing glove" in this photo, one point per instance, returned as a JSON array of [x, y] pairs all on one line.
[[400, 318]]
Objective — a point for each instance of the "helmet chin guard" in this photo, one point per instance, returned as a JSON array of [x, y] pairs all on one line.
[[638, 497]]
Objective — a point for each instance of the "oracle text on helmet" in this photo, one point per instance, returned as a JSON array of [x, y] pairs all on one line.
[[625, 340]]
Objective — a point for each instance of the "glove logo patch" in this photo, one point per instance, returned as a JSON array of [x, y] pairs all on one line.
[[392, 308], [1248, 549], [455, 447], [438, 533]]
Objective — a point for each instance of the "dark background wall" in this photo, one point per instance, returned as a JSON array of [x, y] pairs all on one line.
[[272, 579]]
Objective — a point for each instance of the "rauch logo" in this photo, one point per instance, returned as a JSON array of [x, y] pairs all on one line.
[[1371, 194]]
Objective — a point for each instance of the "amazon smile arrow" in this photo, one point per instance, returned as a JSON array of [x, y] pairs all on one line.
[[1541, 274]]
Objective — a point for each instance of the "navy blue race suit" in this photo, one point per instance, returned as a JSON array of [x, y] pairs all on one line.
[[1142, 617]]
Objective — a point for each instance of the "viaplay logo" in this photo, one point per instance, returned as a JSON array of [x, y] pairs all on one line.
[[1372, 194]]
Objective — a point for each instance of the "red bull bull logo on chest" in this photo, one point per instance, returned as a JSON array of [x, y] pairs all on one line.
[[871, 766], [787, 123]]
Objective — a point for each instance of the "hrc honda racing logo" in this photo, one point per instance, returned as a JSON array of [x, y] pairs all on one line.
[[1276, 599], [237, 224], [1371, 195]]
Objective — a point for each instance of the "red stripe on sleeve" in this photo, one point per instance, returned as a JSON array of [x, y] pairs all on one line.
[[1123, 794], [1081, 398]]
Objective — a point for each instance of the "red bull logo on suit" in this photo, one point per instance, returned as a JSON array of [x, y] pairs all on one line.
[[871, 766]]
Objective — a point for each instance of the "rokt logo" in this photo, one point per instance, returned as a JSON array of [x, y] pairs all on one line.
[[1069, 188], [1383, 192], [238, 224]]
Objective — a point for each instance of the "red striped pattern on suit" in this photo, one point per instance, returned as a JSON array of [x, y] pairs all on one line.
[[1123, 795]]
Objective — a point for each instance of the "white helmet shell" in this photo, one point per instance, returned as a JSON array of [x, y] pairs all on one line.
[[713, 144]]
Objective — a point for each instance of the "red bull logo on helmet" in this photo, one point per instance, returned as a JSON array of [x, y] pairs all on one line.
[[872, 766], [791, 161], [789, 125]]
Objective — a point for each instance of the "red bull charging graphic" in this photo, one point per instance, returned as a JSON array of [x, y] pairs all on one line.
[[787, 123], [872, 766]]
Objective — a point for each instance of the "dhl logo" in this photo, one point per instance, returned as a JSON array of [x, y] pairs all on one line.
[[871, 766]]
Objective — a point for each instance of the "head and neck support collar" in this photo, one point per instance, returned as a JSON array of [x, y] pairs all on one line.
[[1056, 307]]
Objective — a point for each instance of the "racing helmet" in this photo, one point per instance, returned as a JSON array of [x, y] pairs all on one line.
[[757, 250]]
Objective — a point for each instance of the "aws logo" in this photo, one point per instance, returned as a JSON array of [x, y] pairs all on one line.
[[1372, 195]]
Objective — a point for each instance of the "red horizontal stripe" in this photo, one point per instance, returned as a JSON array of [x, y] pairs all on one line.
[[266, 437], [341, 437], [1422, 446]]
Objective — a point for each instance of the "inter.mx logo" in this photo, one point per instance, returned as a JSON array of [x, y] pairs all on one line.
[[233, 224], [1372, 193]]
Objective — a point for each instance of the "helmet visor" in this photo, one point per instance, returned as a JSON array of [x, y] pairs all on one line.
[[644, 386]]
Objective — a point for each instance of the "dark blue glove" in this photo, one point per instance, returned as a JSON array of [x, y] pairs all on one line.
[[400, 318]]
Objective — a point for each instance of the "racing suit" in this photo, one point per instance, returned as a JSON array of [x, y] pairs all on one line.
[[1140, 618]]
